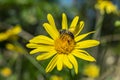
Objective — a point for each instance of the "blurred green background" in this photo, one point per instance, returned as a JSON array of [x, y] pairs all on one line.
[[17, 64]]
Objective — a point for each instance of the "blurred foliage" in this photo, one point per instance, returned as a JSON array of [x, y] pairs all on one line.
[[30, 15]]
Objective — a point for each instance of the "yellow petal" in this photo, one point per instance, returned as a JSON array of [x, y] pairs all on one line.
[[41, 39], [32, 45], [3, 36], [74, 62], [83, 55], [51, 31], [51, 20], [46, 55], [64, 21], [67, 62], [78, 38], [73, 24], [79, 28], [87, 44], [52, 64], [42, 49], [60, 62], [16, 30]]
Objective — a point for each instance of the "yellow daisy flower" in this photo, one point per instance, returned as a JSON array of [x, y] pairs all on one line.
[[15, 48], [106, 6], [5, 71], [55, 77], [91, 70], [10, 33], [64, 45]]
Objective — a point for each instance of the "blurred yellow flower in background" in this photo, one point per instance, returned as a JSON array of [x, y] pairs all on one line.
[[106, 6], [15, 48], [10, 33], [3, 36], [64, 45], [6, 72], [55, 77], [91, 70]]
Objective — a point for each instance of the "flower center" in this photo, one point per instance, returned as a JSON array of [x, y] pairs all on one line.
[[65, 43]]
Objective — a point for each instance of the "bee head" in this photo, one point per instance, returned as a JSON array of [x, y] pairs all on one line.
[[64, 31]]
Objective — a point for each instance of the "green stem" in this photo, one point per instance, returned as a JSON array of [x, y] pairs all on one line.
[[98, 27], [99, 50], [36, 64], [72, 76], [19, 67], [33, 61]]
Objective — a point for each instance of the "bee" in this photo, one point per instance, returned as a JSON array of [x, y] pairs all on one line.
[[66, 32]]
